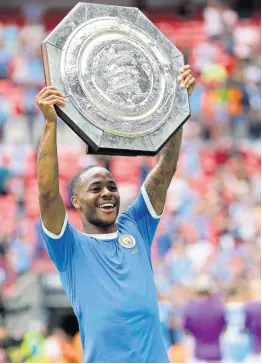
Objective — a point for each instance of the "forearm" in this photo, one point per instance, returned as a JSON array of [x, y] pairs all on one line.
[[169, 155], [47, 162], [158, 180]]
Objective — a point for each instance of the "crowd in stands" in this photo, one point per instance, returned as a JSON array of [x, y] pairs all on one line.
[[206, 253]]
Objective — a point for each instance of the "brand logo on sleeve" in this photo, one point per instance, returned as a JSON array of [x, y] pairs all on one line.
[[127, 241]]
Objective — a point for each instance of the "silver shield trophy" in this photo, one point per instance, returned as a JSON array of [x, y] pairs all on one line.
[[118, 72]]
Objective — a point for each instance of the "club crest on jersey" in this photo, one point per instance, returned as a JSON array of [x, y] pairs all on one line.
[[127, 241]]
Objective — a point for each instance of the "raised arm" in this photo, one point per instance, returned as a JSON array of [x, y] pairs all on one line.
[[159, 179], [51, 204]]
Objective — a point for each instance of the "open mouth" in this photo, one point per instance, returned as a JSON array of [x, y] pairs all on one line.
[[107, 207]]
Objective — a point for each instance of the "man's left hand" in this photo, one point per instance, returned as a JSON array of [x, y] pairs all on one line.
[[186, 76]]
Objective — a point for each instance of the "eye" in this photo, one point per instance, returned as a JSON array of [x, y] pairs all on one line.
[[95, 189], [113, 188]]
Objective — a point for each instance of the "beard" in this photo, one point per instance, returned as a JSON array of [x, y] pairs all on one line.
[[94, 219]]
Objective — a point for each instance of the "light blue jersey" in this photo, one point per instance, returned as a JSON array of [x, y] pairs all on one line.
[[109, 281]]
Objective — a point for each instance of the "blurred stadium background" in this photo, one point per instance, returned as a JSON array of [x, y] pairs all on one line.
[[209, 237]]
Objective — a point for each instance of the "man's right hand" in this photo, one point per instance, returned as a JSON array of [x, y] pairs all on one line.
[[47, 98]]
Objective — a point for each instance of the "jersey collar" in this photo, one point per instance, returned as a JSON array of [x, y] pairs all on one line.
[[103, 236]]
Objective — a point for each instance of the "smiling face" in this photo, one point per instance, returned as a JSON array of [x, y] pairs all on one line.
[[97, 197]]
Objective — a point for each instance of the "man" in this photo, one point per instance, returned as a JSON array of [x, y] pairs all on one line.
[[106, 270], [204, 319]]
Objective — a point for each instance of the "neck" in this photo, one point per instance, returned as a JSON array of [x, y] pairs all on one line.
[[90, 228]]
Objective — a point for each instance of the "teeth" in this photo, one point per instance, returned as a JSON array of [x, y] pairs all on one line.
[[106, 205]]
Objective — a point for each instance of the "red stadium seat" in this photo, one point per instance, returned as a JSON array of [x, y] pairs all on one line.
[[125, 169], [8, 224], [253, 163], [68, 163], [74, 219], [200, 184], [30, 165], [31, 196], [8, 208], [32, 204], [207, 161]]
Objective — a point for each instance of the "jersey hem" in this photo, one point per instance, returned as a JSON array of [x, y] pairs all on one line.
[[149, 205], [52, 235]]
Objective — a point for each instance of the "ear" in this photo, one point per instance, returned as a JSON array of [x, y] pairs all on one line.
[[75, 202]]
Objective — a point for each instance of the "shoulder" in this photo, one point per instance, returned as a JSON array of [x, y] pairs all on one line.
[[126, 220], [65, 233], [69, 233], [141, 207]]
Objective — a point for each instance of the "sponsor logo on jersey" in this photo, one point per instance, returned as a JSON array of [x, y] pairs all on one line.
[[127, 241]]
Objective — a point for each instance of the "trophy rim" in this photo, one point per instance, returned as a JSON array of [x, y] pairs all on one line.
[[153, 139]]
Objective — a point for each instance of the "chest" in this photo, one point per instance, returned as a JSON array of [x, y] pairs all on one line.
[[118, 269], [123, 261]]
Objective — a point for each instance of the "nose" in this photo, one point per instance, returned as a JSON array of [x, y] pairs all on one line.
[[106, 192]]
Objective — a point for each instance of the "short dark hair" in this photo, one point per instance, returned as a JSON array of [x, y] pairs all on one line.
[[76, 179]]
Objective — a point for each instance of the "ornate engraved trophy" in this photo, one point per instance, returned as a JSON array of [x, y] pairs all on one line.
[[119, 74]]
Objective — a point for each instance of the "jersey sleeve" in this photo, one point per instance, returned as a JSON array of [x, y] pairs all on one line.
[[59, 247], [143, 213]]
